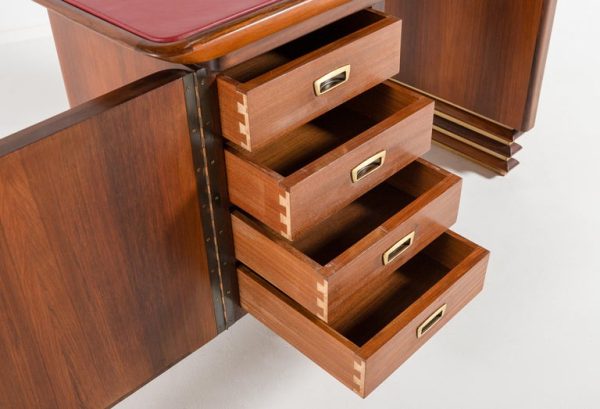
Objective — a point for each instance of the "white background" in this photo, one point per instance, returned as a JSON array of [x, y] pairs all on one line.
[[530, 340], [19, 19]]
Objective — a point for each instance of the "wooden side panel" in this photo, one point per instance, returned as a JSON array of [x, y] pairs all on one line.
[[539, 63], [258, 193], [485, 56], [386, 356], [308, 334], [103, 271], [93, 65], [234, 113], [277, 261]]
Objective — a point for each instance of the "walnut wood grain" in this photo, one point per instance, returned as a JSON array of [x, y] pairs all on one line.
[[485, 56], [324, 267], [93, 65], [210, 45], [281, 184], [389, 335], [104, 272], [251, 115]]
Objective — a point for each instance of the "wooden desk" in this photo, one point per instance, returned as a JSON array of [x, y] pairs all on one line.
[[261, 164]]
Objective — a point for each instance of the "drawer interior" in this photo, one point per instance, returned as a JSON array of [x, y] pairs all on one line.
[[445, 276], [324, 265], [307, 143], [336, 234], [386, 300], [293, 50]]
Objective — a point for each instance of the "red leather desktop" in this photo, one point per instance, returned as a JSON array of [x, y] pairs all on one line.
[[164, 22]]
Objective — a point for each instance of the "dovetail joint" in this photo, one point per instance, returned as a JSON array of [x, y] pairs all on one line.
[[242, 108], [359, 377], [323, 299], [284, 216]]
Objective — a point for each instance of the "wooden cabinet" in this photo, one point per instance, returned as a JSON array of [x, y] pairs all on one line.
[[265, 165], [340, 230]]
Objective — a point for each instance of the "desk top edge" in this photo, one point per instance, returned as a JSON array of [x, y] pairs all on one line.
[[213, 42]]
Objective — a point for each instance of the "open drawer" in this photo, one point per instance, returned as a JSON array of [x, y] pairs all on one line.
[[371, 237], [315, 170], [275, 92], [414, 303]]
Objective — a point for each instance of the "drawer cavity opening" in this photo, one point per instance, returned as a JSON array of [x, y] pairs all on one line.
[[297, 149], [262, 64]]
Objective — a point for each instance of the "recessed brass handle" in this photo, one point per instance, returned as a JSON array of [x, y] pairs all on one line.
[[431, 321], [397, 249], [332, 80], [368, 166]]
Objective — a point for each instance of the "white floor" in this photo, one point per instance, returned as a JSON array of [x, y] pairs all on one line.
[[530, 340]]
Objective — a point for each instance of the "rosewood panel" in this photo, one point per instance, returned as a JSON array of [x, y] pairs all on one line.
[[486, 56], [103, 271]]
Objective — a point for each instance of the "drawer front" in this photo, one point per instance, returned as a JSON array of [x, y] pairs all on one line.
[[324, 286], [363, 361], [399, 133], [255, 111]]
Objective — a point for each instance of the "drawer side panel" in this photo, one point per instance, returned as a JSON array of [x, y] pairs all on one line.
[[310, 336]]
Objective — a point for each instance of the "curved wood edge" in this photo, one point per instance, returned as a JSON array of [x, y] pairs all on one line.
[[211, 44], [539, 64]]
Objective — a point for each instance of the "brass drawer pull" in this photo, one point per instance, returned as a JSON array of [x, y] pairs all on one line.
[[332, 80], [368, 166], [397, 249], [431, 321]]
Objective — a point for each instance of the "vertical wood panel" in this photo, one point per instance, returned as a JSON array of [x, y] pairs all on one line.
[[104, 281], [481, 55]]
